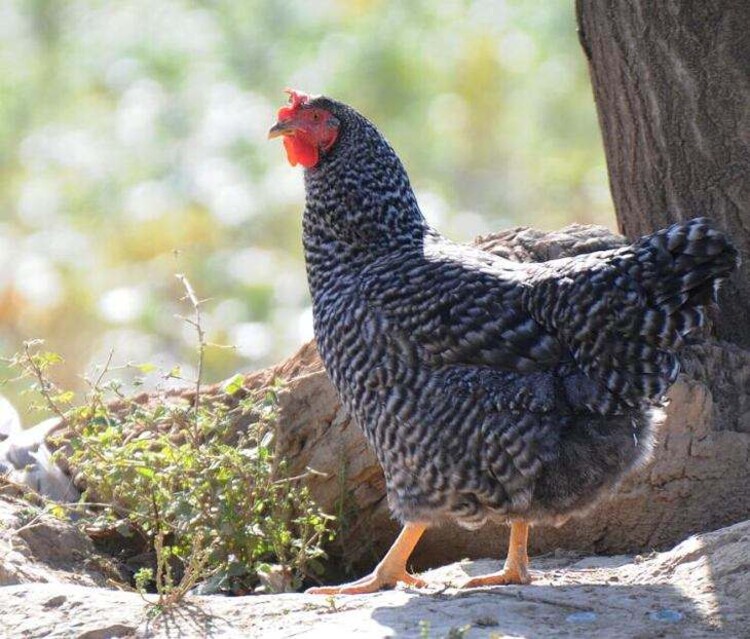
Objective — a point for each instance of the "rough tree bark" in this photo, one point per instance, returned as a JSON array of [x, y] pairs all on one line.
[[671, 81]]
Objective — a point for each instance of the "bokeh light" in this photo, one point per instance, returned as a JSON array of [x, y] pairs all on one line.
[[133, 147]]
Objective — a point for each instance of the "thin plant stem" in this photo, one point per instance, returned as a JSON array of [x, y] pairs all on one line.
[[198, 325]]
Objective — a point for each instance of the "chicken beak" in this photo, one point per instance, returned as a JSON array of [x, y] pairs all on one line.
[[281, 128]]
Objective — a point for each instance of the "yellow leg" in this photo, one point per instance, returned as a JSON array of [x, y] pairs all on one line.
[[390, 571], [516, 570]]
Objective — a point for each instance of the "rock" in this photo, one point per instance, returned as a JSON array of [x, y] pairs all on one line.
[[56, 601], [37, 547], [10, 422], [26, 459], [698, 589], [108, 632]]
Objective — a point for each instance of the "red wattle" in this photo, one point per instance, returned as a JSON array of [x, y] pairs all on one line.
[[298, 151]]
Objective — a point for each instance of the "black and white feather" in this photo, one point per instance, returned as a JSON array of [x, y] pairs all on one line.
[[489, 387]]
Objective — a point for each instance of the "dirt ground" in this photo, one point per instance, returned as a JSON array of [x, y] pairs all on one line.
[[701, 588]]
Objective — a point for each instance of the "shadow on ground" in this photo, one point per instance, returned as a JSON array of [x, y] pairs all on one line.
[[604, 611], [701, 588]]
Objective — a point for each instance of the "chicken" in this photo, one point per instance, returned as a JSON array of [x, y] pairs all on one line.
[[491, 390]]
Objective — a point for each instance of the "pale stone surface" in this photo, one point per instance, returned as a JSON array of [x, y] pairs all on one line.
[[699, 589]]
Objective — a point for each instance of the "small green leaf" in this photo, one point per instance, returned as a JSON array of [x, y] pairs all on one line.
[[49, 358], [234, 385], [145, 472], [56, 510], [65, 397], [142, 578], [146, 367]]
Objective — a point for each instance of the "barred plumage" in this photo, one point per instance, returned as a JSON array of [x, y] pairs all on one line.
[[488, 387], [491, 388]]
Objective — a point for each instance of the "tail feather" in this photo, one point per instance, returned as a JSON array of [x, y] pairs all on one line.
[[685, 264], [625, 321]]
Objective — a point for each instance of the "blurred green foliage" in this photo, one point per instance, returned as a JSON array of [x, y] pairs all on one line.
[[133, 146]]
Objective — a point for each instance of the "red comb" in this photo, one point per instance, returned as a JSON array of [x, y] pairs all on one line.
[[296, 100]]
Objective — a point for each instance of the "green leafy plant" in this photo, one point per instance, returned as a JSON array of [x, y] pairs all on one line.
[[212, 492], [216, 503]]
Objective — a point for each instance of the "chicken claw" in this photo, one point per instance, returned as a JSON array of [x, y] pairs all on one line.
[[388, 572], [516, 569], [371, 583], [505, 577]]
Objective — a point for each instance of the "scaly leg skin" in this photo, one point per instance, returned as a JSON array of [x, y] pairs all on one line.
[[516, 570], [390, 571]]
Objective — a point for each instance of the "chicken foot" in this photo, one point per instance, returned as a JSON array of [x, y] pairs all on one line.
[[516, 570], [390, 571]]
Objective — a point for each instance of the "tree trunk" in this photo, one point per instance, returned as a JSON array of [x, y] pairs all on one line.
[[671, 81]]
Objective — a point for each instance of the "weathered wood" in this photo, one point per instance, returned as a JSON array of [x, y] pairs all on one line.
[[671, 81]]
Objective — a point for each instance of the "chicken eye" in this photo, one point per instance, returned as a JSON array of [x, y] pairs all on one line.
[[315, 116]]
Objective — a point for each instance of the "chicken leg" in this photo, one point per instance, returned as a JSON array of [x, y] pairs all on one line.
[[390, 571], [516, 570]]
